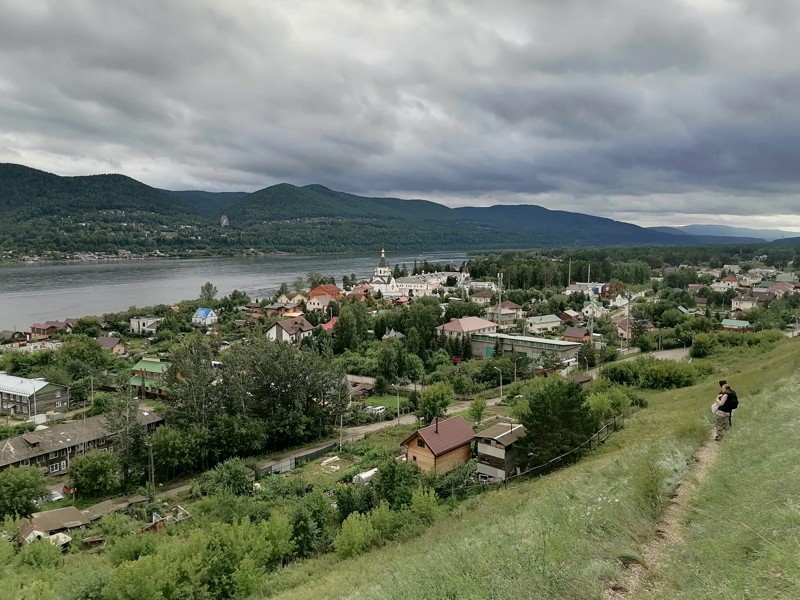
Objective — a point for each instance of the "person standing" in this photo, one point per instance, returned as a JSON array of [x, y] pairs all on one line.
[[728, 402]]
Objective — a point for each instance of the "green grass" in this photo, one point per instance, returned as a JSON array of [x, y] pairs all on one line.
[[743, 535], [570, 534]]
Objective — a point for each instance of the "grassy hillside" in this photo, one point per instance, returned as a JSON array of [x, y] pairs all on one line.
[[570, 534]]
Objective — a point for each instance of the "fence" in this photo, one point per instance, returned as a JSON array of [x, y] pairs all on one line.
[[573, 455]]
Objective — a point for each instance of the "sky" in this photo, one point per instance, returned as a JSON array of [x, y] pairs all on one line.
[[656, 113]]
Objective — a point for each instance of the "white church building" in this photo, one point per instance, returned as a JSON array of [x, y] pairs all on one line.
[[382, 279]]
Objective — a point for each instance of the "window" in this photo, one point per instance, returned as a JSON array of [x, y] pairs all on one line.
[[58, 404], [54, 468], [54, 454], [415, 458], [101, 442], [25, 462], [40, 458], [90, 445], [58, 395], [63, 465], [420, 442]]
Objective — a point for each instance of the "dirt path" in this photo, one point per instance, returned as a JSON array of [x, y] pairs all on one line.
[[669, 529]]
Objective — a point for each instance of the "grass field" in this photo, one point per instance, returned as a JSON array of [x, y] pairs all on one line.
[[572, 533]]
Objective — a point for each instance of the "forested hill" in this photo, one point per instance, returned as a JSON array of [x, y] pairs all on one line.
[[42, 212]]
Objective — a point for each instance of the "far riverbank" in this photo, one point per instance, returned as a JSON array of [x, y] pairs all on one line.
[[35, 292]]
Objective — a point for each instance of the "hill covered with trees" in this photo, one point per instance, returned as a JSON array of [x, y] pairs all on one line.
[[42, 212]]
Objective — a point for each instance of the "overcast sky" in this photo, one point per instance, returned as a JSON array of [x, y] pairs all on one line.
[[653, 112]]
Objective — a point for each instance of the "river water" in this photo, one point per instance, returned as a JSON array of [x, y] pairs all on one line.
[[39, 292]]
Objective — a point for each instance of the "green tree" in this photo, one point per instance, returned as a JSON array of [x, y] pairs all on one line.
[[477, 410], [434, 402], [556, 419], [351, 328], [356, 536], [19, 488], [192, 397], [230, 477], [95, 474], [208, 291], [395, 482], [305, 532]]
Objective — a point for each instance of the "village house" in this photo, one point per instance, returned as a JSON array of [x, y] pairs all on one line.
[[505, 314], [466, 326], [204, 317], [726, 283], [325, 289], [442, 446], [735, 325], [114, 345], [12, 339], [542, 324], [50, 525], [149, 376], [292, 331], [743, 302], [496, 450], [576, 334], [570, 316], [319, 303], [283, 309], [594, 309], [292, 298], [52, 448], [145, 325], [482, 297], [29, 397], [484, 345]]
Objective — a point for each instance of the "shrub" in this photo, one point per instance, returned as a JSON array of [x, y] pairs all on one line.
[[356, 536], [424, 505], [131, 548], [40, 554]]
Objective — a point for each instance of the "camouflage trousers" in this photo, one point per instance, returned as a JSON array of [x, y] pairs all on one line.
[[722, 423]]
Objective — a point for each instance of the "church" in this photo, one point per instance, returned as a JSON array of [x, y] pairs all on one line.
[[382, 279]]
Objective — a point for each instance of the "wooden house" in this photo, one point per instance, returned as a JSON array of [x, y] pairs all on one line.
[[441, 446], [497, 456]]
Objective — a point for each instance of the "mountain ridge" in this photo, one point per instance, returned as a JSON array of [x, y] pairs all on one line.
[[46, 212]]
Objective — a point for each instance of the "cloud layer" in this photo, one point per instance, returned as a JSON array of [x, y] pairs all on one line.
[[654, 112]]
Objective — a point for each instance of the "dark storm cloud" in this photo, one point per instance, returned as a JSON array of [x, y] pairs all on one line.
[[641, 110]]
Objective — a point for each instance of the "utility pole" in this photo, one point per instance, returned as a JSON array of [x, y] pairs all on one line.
[[152, 472]]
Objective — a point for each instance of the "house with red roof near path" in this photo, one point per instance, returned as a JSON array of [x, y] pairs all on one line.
[[441, 446]]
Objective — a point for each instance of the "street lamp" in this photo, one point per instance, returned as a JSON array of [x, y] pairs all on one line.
[[397, 391], [501, 382]]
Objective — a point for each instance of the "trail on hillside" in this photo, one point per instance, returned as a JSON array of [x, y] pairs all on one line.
[[670, 527]]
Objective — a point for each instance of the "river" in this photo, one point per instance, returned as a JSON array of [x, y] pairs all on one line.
[[36, 292]]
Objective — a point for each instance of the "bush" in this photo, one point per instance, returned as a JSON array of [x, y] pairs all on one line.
[[131, 548], [40, 554], [651, 373], [356, 536], [230, 477], [424, 505]]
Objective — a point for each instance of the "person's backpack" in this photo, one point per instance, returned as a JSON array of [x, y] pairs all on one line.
[[733, 400]]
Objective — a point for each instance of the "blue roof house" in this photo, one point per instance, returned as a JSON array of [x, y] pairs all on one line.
[[204, 317]]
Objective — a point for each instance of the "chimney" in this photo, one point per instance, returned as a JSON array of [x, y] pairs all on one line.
[[436, 425]]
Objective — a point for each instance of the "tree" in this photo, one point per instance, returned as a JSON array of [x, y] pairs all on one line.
[[192, 397], [434, 402], [19, 488], [230, 477], [395, 482], [352, 327], [208, 291], [95, 474], [477, 410], [556, 419]]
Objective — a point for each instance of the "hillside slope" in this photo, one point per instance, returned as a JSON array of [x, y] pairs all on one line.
[[569, 535]]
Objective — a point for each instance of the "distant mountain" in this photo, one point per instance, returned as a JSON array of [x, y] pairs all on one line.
[[789, 241], [211, 204], [43, 212], [708, 238], [736, 232]]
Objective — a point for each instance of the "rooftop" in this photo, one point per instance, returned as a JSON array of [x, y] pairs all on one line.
[[444, 434]]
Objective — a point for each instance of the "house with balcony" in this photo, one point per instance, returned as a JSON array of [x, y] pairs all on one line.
[[497, 451]]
